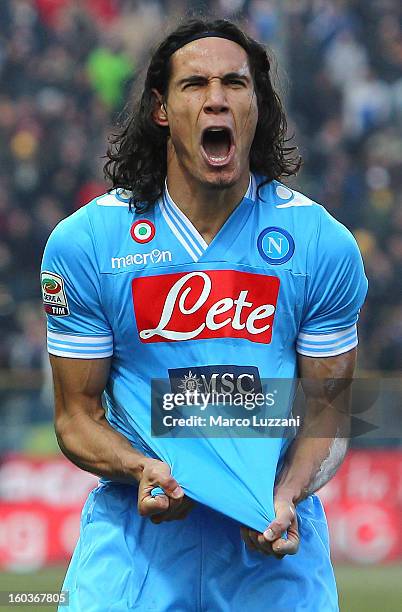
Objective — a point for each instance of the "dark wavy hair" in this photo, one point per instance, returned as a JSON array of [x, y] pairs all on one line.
[[136, 157]]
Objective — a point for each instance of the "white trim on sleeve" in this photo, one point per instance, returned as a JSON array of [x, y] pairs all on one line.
[[327, 345], [79, 347]]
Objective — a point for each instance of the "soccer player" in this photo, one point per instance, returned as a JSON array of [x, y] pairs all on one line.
[[200, 265]]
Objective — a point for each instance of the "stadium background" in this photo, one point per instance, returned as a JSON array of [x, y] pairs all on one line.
[[66, 67]]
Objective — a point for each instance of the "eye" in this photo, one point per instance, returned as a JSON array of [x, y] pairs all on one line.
[[236, 83], [193, 84]]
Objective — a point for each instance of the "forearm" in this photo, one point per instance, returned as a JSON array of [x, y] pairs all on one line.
[[94, 446], [320, 445], [311, 464], [312, 460]]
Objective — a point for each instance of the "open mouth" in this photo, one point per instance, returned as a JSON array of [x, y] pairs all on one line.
[[217, 145]]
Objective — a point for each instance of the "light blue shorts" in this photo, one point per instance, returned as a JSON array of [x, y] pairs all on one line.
[[124, 562]]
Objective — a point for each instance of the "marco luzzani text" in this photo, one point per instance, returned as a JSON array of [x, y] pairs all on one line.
[[203, 401]]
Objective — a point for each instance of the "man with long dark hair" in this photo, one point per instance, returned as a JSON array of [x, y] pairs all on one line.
[[199, 267]]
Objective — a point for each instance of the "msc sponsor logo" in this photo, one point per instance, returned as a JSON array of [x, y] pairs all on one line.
[[136, 259], [215, 379], [54, 295], [275, 245], [205, 304]]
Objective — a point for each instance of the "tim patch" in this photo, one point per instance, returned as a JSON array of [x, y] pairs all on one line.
[[54, 295]]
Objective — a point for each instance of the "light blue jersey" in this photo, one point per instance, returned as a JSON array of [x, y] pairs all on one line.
[[281, 277]]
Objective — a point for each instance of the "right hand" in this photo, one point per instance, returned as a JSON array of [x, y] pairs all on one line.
[[170, 507]]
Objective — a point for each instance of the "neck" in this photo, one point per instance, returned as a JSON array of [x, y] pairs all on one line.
[[207, 207]]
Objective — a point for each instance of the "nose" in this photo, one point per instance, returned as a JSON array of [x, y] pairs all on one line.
[[215, 101]]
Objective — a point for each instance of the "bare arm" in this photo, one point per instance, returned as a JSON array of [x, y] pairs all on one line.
[[317, 451], [320, 447], [86, 438], [83, 433]]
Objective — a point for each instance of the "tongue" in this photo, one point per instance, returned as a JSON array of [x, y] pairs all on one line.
[[216, 144]]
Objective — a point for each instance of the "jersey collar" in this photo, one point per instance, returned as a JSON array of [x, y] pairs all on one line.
[[183, 229]]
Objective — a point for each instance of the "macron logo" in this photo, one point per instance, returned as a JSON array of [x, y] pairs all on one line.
[[136, 259]]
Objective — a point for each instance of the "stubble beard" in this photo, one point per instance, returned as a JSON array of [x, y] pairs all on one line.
[[220, 182]]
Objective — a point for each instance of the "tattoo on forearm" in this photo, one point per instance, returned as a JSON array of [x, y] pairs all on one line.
[[330, 465]]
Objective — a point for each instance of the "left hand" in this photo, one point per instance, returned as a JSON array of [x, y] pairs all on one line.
[[270, 542]]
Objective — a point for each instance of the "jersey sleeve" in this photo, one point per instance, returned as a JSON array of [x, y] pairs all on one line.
[[77, 326], [335, 292]]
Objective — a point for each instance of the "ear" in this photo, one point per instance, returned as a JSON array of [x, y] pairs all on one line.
[[159, 112]]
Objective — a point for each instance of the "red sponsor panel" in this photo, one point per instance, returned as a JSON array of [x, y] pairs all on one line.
[[53, 481], [35, 534], [205, 304], [40, 506], [363, 504]]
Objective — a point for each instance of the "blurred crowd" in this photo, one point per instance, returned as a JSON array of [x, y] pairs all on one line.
[[66, 67]]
